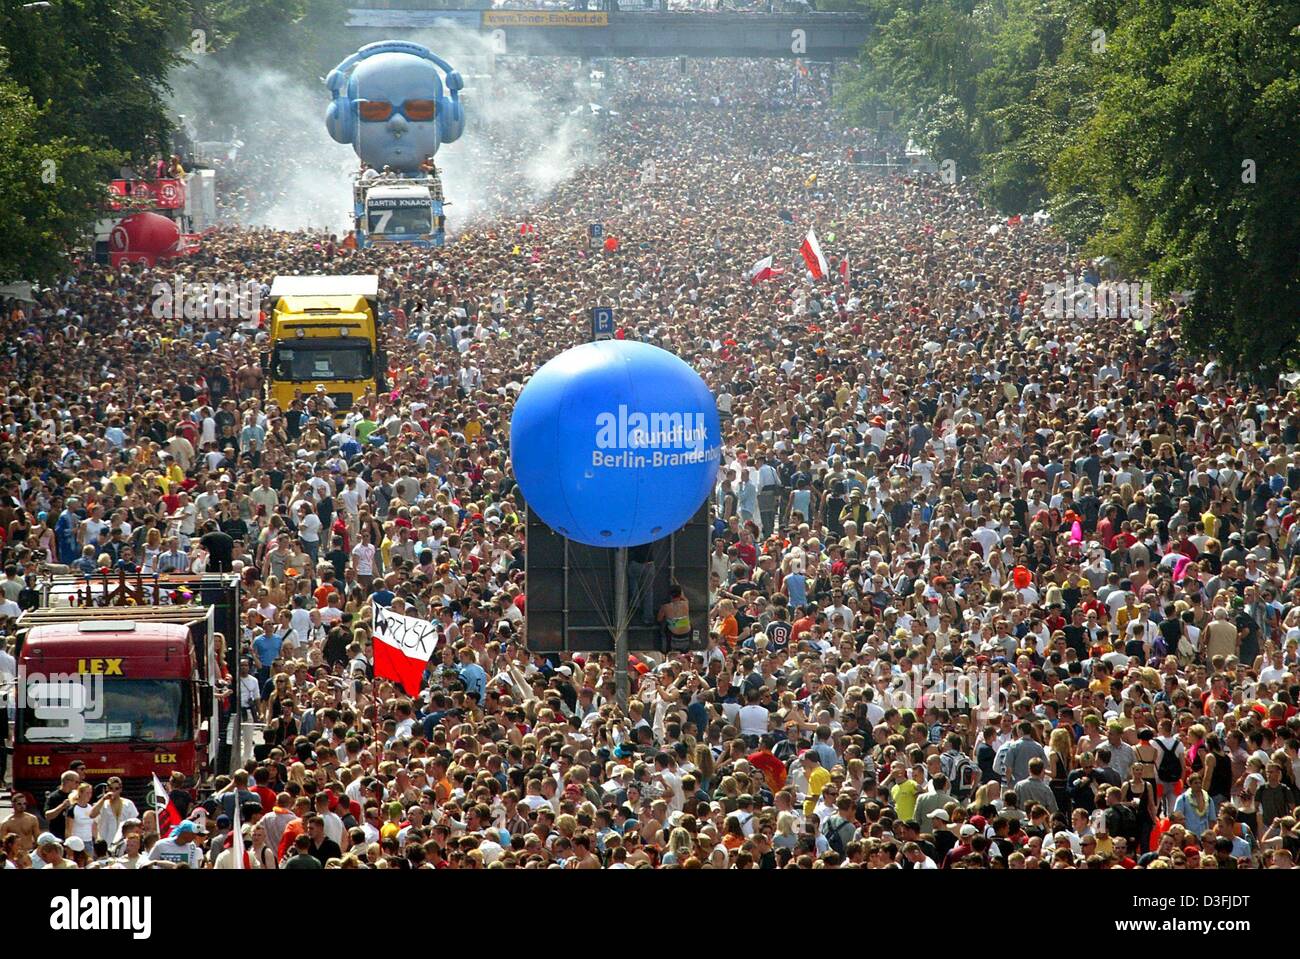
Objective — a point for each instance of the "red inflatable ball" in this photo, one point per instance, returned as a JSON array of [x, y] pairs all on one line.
[[144, 236]]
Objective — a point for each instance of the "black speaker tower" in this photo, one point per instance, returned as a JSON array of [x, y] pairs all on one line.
[[571, 596]]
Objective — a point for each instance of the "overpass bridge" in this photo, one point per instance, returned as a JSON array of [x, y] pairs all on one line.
[[625, 33]]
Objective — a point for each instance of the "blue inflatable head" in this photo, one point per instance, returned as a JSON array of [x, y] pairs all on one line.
[[388, 103], [615, 443]]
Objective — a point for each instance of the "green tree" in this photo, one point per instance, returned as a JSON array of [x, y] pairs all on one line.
[[843, 6], [50, 188], [1191, 154], [97, 69], [993, 86], [1162, 133], [920, 63], [82, 93]]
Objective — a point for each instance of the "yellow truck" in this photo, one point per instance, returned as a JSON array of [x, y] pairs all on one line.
[[325, 337]]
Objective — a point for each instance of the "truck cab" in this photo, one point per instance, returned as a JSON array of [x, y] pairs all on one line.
[[324, 337], [392, 209], [128, 691]]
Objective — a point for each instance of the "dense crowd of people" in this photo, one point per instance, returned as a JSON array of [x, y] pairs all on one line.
[[992, 587]]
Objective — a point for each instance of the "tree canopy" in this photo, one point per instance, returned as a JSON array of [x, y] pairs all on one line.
[[1157, 132]]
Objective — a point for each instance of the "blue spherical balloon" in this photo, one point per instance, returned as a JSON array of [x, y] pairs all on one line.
[[615, 443]]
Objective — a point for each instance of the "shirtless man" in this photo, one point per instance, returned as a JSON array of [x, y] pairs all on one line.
[[582, 855], [248, 379], [675, 615], [22, 824]]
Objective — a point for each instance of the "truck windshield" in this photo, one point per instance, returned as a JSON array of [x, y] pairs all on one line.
[[119, 711], [297, 363], [406, 220]]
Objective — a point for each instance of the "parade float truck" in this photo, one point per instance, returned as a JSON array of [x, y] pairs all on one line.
[[128, 689], [155, 219], [324, 338], [396, 103]]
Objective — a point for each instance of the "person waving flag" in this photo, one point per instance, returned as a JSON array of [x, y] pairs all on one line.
[[403, 646], [763, 270], [168, 814], [813, 255]]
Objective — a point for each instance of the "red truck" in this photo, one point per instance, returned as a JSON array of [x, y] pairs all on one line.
[[128, 690]]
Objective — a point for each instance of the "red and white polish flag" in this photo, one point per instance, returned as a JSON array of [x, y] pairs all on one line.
[[813, 256], [763, 270], [403, 646]]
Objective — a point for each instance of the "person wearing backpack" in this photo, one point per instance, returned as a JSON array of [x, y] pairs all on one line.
[[1170, 754], [839, 829], [963, 775], [1121, 818], [1140, 795]]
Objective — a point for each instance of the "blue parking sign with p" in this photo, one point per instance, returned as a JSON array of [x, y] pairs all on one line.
[[602, 322], [595, 231]]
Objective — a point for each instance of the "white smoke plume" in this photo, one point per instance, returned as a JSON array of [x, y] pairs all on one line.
[[287, 173]]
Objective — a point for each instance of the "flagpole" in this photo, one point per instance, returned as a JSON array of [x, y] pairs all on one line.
[[237, 840], [374, 682], [620, 631]]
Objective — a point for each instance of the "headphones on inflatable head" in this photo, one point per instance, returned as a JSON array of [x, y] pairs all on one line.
[[341, 117]]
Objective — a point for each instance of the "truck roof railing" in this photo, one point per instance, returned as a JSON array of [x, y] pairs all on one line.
[[98, 590], [431, 180], [109, 617]]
